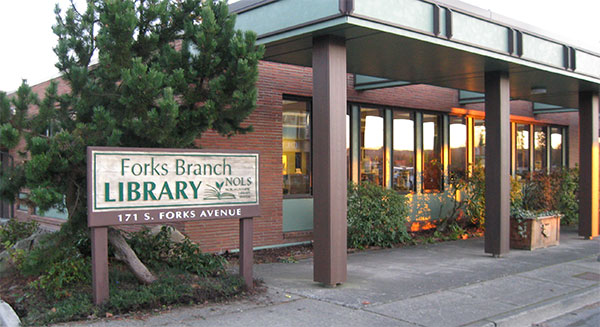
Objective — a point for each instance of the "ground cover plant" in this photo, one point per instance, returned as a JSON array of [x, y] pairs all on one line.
[[55, 286], [13, 231]]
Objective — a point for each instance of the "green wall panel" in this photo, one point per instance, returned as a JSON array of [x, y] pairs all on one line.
[[297, 215], [479, 32], [543, 51], [284, 14], [410, 13], [587, 64]]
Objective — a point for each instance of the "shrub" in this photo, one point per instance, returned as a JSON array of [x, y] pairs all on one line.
[[16, 230], [548, 193], [538, 192], [58, 264], [61, 278], [156, 250], [566, 194], [376, 216], [475, 196]]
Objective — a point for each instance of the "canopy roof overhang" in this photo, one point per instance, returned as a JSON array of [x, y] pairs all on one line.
[[445, 43]]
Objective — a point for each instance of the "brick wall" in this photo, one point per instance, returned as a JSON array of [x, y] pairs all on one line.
[[275, 81]]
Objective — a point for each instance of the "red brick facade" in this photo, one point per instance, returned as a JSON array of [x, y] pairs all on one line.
[[277, 80]]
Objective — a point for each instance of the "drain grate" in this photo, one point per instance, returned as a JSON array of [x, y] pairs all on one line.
[[588, 276]]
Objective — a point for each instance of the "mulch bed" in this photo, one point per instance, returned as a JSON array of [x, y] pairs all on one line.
[[294, 253]]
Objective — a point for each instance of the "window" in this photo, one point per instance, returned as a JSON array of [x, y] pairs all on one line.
[[479, 141], [540, 155], [403, 175], [522, 149], [21, 206], [371, 142], [556, 147], [296, 157], [348, 158], [432, 153], [458, 146]]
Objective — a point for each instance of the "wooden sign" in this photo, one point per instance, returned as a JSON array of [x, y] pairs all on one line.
[[156, 186]]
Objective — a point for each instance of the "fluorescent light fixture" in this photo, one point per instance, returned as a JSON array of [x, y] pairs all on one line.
[[538, 90]]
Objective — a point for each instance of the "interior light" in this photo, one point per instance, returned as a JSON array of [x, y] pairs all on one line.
[[538, 90]]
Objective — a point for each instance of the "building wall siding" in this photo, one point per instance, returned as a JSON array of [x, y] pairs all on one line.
[[276, 81]]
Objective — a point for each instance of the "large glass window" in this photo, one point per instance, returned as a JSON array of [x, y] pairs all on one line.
[[296, 157], [432, 153], [348, 159], [371, 145], [479, 141], [522, 149], [556, 147], [404, 151], [458, 146], [540, 144]]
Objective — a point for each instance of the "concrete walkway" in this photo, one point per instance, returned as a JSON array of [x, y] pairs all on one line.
[[444, 284]]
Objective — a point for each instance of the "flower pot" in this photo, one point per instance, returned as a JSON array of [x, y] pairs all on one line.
[[534, 233]]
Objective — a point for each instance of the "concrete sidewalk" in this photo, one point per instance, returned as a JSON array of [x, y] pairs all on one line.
[[444, 284]]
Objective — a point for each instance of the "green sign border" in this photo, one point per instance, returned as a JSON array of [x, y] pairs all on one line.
[[176, 154]]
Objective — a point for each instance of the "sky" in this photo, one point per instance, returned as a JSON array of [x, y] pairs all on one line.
[[26, 38]]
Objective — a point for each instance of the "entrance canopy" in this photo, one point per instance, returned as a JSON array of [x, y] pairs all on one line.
[[446, 43]]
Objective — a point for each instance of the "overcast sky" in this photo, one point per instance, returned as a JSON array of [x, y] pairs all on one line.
[[26, 38]]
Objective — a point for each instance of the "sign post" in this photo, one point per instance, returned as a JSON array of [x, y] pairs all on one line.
[[129, 186]]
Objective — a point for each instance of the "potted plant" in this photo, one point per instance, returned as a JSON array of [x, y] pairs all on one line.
[[534, 229], [533, 223]]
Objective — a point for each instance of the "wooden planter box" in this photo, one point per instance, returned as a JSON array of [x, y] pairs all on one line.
[[540, 232]]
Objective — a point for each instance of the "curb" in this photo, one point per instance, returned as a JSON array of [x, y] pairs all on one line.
[[8, 317], [542, 311]]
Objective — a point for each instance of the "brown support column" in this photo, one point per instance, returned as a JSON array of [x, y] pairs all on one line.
[[588, 164], [470, 142], [497, 163], [246, 254], [100, 264], [329, 153]]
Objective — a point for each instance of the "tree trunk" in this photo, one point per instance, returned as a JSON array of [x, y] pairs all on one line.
[[124, 253]]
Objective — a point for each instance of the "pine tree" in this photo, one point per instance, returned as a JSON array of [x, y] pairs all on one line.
[[166, 71], [139, 73]]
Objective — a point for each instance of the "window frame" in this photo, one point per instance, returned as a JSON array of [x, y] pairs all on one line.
[[309, 103]]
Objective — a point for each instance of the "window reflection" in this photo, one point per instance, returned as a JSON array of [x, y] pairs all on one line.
[[540, 162], [556, 146], [403, 151], [458, 146], [296, 157], [371, 137], [479, 141], [522, 149], [432, 163], [348, 159]]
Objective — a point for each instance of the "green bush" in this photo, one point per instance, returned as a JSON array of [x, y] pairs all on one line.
[[556, 192], [566, 193], [376, 216], [156, 250], [16, 230], [475, 196], [63, 276], [58, 264], [538, 194]]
